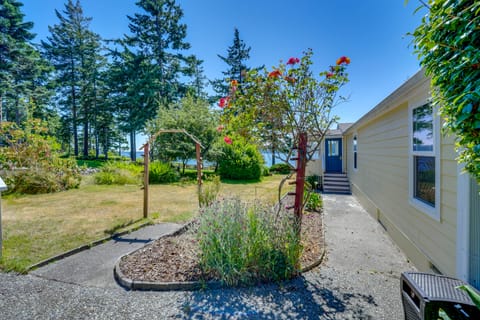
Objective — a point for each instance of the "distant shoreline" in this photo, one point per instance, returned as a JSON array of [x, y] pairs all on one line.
[[267, 156]]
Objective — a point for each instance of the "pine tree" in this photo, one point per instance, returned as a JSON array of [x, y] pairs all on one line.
[[237, 55], [194, 70], [74, 51], [14, 50], [158, 37], [153, 63]]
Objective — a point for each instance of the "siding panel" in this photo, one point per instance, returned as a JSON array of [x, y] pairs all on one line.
[[383, 177]]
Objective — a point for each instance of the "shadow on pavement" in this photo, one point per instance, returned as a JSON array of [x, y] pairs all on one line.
[[295, 299]]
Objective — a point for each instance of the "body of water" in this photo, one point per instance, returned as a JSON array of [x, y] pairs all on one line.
[[267, 156]]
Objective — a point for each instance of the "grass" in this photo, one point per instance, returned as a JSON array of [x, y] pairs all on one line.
[[36, 227]]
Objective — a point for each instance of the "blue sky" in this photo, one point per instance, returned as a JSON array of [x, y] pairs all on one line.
[[373, 33]]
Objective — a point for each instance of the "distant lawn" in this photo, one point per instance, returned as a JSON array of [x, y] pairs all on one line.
[[37, 227]]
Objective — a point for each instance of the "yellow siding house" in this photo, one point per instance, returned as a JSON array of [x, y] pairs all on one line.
[[403, 171]]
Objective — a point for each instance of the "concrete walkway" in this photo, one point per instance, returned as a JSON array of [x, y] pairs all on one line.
[[358, 280], [94, 267]]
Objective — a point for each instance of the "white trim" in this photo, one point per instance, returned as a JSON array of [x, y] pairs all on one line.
[[3, 186], [355, 151], [433, 212], [463, 223]]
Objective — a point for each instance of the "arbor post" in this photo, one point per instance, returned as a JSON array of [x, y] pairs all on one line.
[[199, 170], [3, 187], [146, 158]]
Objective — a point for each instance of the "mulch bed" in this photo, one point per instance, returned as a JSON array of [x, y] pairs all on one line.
[[175, 258]]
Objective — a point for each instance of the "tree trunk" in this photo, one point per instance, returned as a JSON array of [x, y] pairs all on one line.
[[17, 112], [273, 154], [85, 133], [133, 147], [1, 110], [74, 122]]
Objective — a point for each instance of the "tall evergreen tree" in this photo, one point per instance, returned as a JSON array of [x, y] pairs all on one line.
[[194, 70], [14, 49], [237, 55], [158, 36], [127, 87], [74, 51], [153, 62]]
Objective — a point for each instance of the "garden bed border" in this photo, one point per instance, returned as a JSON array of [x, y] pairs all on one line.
[[131, 284]]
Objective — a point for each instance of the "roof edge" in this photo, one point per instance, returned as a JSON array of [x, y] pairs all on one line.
[[392, 100]]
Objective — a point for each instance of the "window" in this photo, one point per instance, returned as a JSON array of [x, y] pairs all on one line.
[[355, 147], [424, 175], [333, 148]]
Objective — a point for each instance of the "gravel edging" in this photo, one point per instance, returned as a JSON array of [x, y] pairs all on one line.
[[130, 284]]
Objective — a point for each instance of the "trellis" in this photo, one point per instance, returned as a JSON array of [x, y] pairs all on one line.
[[146, 150]]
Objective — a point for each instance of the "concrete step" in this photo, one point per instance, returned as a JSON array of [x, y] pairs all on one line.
[[336, 183]]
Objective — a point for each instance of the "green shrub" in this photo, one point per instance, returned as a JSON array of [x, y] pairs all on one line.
[[119, 172], [191, 174], [265, 171], [240, 161], [313, 181], [313, 201], [209, 192], [244, 244], [30, 161], [160, 172], [281, 168]]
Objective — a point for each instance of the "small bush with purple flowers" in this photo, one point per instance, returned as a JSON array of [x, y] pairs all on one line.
[[246, 244]]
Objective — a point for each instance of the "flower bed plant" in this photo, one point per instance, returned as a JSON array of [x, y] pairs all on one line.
[[243, 244]]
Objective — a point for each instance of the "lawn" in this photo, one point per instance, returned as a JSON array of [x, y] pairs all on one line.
[[40, 226]]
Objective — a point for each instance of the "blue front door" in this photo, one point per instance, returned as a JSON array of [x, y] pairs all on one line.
[[333, 155]]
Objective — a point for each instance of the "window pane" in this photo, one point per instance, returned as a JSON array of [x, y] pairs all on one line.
[[355, 160], [423, 128], [355, 143], [425, 179], [332, 148]]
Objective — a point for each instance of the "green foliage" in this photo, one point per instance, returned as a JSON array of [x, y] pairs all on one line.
[[313, 201], [244, 244], [237, 55], [240, 161], [209, 192], [265, 171], [447, 42], [281, 168], [192, 114], [120, 173], [30, 162], [161, 172], [191, 175], [313, 181], [273, 108], [473, 294], [74, 51], [90, 163]]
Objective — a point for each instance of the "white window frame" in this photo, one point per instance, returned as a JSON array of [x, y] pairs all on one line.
[[433, 212], [355, 150]]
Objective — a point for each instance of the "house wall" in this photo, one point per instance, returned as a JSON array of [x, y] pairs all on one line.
[[381, 183], [316, 167]]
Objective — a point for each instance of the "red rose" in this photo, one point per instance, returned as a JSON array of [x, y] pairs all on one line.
[[223, 102], [293, 61]]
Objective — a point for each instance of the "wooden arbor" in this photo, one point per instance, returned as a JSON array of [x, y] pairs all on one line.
[[146, 150]]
